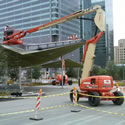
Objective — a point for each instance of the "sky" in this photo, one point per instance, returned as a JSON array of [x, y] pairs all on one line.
[[118, 20]]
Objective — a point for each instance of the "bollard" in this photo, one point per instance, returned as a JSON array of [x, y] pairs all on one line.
[[37, 107], [74, 95], [38, 100], [75, 99]]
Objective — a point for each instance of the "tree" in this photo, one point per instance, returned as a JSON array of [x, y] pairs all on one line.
[[114, 71], [3, 62], [36, 72], [13, 73], [28, 73], [71, 72], [95, 70], [111, 69]]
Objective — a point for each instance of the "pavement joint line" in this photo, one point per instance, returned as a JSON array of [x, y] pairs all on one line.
[[33, 110], [98, 110]]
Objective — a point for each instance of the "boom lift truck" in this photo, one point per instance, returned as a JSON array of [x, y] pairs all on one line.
[[96, 88], [95, 85]]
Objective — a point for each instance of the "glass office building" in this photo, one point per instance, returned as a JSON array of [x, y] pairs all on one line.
[[109, 29], [26, 14], [105, 50], [87, 23], [101, 49]]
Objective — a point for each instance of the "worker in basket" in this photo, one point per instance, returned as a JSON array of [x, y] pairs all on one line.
[[7, 32]]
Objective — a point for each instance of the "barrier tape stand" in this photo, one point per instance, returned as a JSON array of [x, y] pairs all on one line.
[[37, 108], [75, 99]]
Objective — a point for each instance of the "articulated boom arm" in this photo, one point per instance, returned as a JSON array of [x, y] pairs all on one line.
[[89, 55], [99, 21]]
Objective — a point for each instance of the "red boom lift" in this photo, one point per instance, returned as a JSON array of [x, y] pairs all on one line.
[[96, 88]]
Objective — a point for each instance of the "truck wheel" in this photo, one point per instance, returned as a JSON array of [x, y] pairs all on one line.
[[53, 82], [20, 94], [71, 95], [118, 101], [70, 82], [94, 101], [17, 94]]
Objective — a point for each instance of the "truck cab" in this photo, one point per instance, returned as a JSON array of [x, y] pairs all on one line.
[[97, 83]]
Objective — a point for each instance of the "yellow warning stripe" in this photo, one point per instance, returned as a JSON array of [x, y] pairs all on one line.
[[32, 110], [62, 94], [98, 110]]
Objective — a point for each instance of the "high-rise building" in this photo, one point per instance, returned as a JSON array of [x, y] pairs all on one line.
[[27, 14], [109, 29], [119, 52], [105, 48], [87, 22], [101, 50], [85, 25]]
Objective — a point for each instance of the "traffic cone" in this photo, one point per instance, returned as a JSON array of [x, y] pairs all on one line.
[[37, 107]]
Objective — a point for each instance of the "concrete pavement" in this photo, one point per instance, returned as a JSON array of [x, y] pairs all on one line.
[[57, 111]]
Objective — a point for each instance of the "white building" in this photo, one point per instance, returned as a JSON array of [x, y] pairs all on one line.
[[119, 52]]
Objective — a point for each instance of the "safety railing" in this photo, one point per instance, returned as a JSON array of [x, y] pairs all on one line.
[[49, 45]]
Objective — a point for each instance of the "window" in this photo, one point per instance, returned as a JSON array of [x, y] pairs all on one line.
[[93, 81]]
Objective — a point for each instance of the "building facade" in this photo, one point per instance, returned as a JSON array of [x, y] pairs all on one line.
[[101, 50], [27, 14], [109, 30], [87, 23], [119, 52]]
